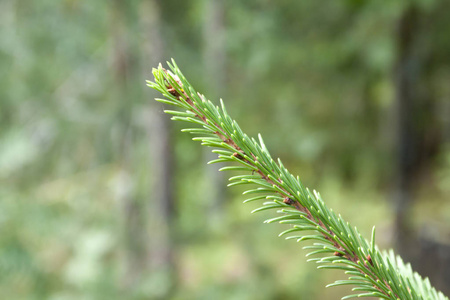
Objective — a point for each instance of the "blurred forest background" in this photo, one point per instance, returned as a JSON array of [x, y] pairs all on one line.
[[102, 197]]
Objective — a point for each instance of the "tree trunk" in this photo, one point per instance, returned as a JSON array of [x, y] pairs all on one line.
[[129, 206], [214, 58], [160, 251], [417, 143], [406, 139]]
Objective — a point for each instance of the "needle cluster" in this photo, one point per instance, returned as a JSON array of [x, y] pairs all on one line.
[[335, 243]]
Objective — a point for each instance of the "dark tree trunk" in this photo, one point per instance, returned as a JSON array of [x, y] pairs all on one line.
[[406, 139], [417, 143]]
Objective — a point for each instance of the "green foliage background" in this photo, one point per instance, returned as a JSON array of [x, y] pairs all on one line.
[[316, 78]]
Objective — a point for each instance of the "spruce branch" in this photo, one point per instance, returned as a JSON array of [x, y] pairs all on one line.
[[336, 244]]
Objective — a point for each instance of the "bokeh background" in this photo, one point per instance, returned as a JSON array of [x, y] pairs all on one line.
[[102, 197]]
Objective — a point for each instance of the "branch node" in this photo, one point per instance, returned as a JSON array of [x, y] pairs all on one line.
[[288, 201]]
